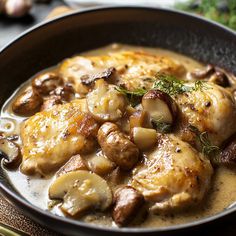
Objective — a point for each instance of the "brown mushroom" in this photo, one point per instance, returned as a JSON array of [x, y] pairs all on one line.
[[220, 78], [66, 92], [27, 103], [117, 147], [228, 154], [75, 163], [50, 102], [128, 202], [10, 152], [201, 74], [104, 74], [140, 119], [160, 106], [46, 82]]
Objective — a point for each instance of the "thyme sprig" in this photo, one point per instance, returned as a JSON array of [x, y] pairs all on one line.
[[134, 97], [166, 83], [169, 84], [206, 147]]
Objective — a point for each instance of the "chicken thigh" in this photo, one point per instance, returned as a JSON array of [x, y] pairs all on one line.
[[173, 175], [133, 69], [211, 109], [50, 138]]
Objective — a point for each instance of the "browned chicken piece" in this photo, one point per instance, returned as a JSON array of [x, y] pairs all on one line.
[[173, 175], [133, 69], [51, 137], [211, 109], [128, 202], [117, 147]]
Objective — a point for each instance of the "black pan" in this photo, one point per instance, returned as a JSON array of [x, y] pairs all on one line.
[[48, 43]]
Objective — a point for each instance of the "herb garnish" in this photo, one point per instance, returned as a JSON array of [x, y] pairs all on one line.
[[222, 11], [169, 84], [206, 147], [134, 97], [165, 83], [162, 126]]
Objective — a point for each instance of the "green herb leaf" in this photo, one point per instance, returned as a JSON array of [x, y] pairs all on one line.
[[166, 83], [169, 84], [134, 97], [207, 148], [161, 126]]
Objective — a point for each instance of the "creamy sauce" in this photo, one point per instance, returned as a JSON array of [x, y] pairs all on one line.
[[35, 189]]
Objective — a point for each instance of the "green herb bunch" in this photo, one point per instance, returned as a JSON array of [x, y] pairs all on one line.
[[222, 11]]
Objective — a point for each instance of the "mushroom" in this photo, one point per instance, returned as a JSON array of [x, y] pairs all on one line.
[[99, 164], [66, 92], [144, 138], [75, 163], [50, 102], [104, 74], [220, 78], [46, 82], [128, 202], [201, 74], [105, 103], [27, 103], [117, 147], [228, 154], [81, 191], [10, 153], [140, 119], [160, 106]]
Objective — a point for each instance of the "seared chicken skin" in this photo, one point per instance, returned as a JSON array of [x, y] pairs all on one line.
[[173, 175], [132, 69], [211, 109], [51, 137]]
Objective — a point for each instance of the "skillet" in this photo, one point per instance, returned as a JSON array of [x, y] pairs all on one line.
[[47, 44]]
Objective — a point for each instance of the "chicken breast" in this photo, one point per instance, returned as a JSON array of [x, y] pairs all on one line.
[[210, 109], [133, 69], [173, 175], [51, 137]]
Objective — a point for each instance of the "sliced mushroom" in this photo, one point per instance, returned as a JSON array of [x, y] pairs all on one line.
[[66, 92], [46, 82], [160, 106], [51, 102], [104, 74], [75, 163], [105, 103], [201, 74], [27, 103], [228, 154], [140, 119], [80, 191], [10, 153], [100, 164], [128, 202], [117, 147], [220, 78], [144, 138]]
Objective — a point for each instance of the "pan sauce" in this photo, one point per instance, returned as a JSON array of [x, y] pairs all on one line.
[[221, 195]]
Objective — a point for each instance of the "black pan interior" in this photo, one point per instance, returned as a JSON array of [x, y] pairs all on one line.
[[48, 44]]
